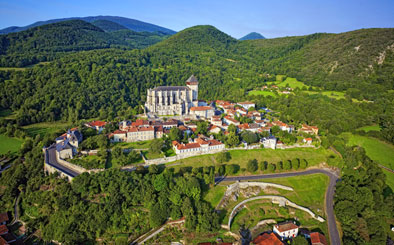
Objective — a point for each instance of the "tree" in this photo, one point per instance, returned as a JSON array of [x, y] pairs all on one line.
[[232, 128], [223, 156], [232, 139], [271, 167], [252, 166], [303, 164], [202, 128], [175, 134], [287, 165], [249, 137], [153, 169], [156, 216], [300, 240], [156, 145], [231, 169]]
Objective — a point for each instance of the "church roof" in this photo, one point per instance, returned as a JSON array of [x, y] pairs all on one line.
[[192, 78], [171, 88]]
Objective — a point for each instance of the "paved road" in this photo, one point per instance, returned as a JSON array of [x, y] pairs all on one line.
[[332, 226], [51, 160]]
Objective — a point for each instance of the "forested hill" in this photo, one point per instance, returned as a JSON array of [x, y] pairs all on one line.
[[131, 24], [108, 26], [252, 36], [113, 82], [334, 61], [44, 43]]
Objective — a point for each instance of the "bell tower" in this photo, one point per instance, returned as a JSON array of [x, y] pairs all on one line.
[[192, 83]]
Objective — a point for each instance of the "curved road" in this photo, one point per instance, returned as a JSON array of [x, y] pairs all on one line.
[[332, 225]]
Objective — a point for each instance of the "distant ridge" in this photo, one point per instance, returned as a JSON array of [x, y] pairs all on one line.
[[252, 36], [131, 24]]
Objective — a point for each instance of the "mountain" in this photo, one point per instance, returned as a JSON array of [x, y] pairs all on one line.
[[134, 25], [197, 38], [252, 36], [46, 42], [108, 26]]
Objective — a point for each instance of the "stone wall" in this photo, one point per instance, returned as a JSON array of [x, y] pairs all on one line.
[[74, 167], [275, 200]]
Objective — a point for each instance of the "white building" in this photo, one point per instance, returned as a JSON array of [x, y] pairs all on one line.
[[269, 142], [247, 104], [202, 111], [286, 230], [198, 146], [172, 100]]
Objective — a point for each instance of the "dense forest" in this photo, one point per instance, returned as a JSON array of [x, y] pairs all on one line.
[[47, 42]]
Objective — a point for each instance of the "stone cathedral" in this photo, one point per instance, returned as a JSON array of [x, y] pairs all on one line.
[[172, 100]]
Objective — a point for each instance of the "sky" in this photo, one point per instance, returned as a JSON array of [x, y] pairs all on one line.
[[271, 18]]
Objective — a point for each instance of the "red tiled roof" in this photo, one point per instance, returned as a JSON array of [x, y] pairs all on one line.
[[317, 238], [3, 242], [119, 132], [308, 139], [243, 126], [97, 124], [267, 239], [140, 129], [3, 229], [201, 108], [139, 122], [3, 217], [188, 146], [246, 103], [286, 226]]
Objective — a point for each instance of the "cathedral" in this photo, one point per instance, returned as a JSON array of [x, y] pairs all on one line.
[[172, 100]]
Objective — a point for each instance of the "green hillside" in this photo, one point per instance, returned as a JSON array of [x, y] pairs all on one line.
[[47, 42], [108, 26]]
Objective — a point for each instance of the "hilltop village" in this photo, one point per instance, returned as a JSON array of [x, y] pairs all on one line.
[[187, 126]]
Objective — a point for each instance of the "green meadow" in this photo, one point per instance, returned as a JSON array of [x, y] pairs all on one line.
[[8, 144], [44, 128]]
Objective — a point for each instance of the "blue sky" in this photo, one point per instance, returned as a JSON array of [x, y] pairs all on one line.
[[272, 18]]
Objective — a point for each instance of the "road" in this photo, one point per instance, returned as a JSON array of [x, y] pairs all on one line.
[[51, 160], [332, 225]]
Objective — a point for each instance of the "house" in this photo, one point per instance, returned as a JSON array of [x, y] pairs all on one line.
[[214, 129], [264, 129], [169, 124], [67, 144], [269, 142], [3, 241], [267, 239], [242, 111], [254, 127], [3, 218], [118, 136], [216, 120], [243, 126], [286, 229], [308, 141], [140, 133], [200, 145], [247, 104], [309, 129], [318, 239], [283, 126], [202, 111], [228, 120], [279, 144], [97, 125]]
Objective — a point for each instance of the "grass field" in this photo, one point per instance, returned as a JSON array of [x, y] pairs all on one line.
[[9, 144], [292, 82], [134, 145], [44, 128], [331, 94], [241, 157], [378, 151], [215, 194], [264, 93], [370, 128]]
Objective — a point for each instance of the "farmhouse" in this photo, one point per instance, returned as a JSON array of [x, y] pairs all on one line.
[[172, 100], [286, 229], [318, 239]]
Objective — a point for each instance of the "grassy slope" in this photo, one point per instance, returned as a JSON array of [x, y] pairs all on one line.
[[241, 157], [264, 93], [44, 128], [9, 144], [370, 128], [378, 151]]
